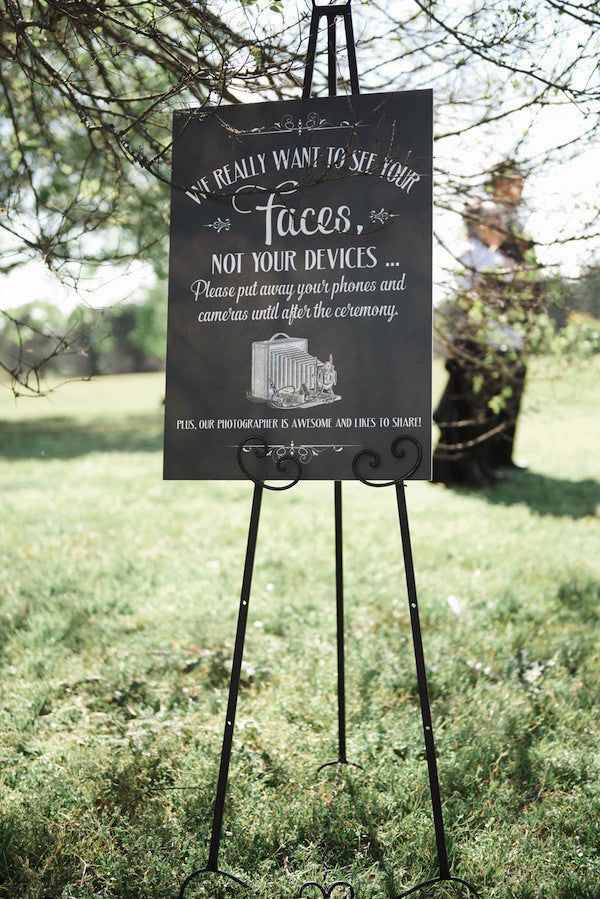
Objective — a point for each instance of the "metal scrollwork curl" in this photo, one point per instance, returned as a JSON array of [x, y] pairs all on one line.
[[435, 880], [328, 891], [258, 444], [210, 870], [373, 459]]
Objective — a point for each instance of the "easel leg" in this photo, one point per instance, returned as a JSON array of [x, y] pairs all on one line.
[[342, 758], [434, 784], [339, 598], [212, 865]]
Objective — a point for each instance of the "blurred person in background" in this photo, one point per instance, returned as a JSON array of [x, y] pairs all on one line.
[[485, 337]]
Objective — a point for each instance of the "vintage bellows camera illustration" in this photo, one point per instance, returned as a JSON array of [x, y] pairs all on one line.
[[286, 376]]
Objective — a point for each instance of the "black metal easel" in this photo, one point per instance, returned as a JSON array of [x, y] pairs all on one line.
[[257, 445]]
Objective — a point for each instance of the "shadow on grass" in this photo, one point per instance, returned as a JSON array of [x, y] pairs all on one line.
[[61, 437], [548, 495]]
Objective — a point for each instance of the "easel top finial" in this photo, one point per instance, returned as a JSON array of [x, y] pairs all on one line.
[[331, 8]]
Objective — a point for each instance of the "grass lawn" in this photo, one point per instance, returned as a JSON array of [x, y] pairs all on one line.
[[118, 603]]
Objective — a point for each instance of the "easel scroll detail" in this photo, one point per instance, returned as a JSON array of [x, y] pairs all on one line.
[[373, 459], [261, 449]]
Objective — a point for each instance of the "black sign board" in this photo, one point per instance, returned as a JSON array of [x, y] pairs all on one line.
[[300, 284]]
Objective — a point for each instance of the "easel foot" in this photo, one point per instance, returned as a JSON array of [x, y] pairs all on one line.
[[203, 871], [339, 762], [341, 889], [429, 883]]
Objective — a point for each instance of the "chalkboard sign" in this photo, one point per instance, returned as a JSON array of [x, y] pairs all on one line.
[[300, 285]]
